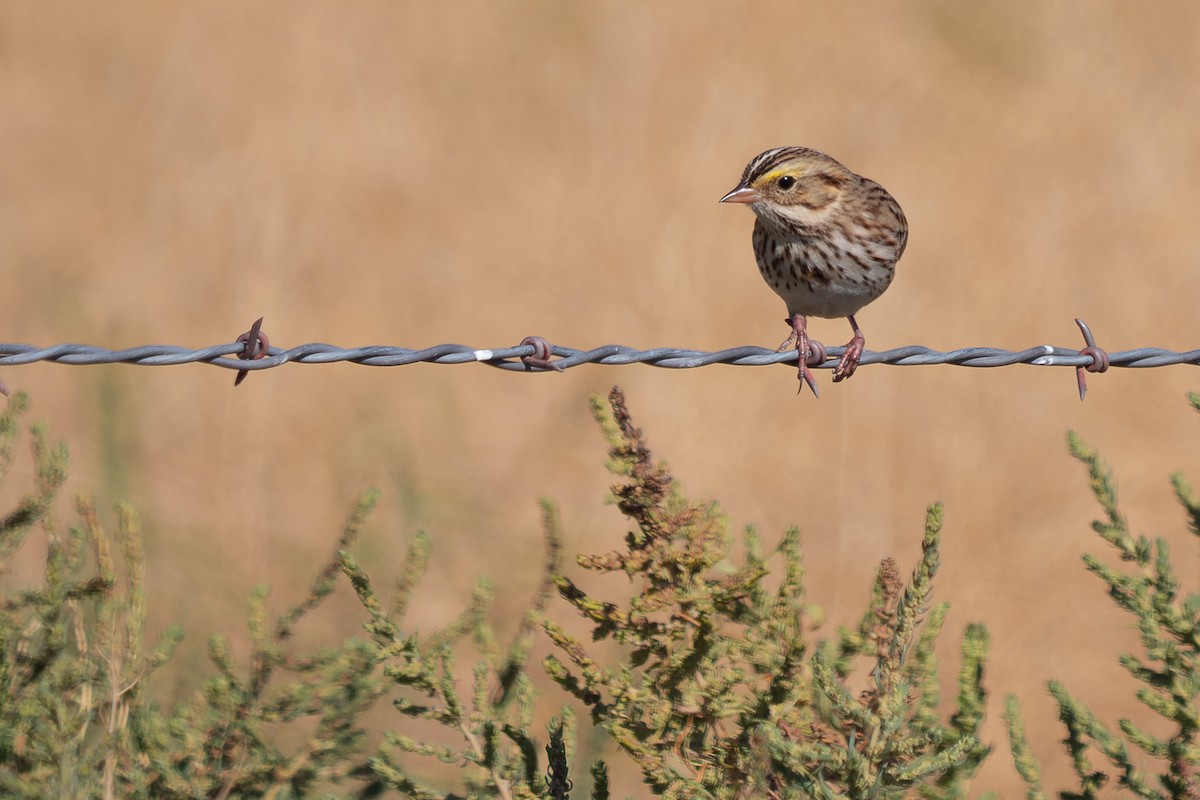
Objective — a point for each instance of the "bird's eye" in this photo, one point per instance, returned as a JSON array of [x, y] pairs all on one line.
[[786, 182]]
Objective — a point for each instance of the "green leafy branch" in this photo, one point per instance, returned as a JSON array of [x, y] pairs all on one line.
[[496, 754], [1169, 628], [722, 694]]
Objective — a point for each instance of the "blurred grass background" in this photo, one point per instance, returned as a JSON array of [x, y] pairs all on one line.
[[411, 174]]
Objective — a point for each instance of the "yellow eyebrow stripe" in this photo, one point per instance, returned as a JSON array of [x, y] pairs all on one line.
[[778, 172]]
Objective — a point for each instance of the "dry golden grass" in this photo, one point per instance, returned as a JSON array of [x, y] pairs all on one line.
[[475, 172]]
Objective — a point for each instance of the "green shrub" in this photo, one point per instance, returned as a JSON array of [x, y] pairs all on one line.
[[1169, 626], [718, 682], [725, 692]]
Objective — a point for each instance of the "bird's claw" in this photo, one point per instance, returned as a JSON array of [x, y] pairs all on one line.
[[814, 353], [849, 360], [808, 352], [807, 379]]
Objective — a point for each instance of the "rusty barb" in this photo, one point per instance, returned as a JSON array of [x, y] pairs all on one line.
[[540, 358], [252, 351], [255, 345], [1099, 358]]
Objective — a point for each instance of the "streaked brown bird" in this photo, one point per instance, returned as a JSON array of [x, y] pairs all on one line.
[[826, 240]]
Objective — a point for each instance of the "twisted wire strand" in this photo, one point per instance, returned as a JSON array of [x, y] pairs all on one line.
[[510, 358]]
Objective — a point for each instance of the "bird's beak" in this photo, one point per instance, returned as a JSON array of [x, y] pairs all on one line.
[[742, 194]]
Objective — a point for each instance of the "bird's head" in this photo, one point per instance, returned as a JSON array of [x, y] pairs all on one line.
[[791, 184]]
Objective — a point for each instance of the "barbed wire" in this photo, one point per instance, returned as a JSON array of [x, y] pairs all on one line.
[[566, 357], [534, 354]]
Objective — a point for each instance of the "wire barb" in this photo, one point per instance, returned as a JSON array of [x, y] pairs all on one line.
[[1099, 358], [539, 359], [255, 345]]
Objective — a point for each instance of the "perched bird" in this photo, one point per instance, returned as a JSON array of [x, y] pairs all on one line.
[[827, 241]]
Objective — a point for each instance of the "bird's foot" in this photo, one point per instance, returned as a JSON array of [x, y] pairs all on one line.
[[808, 352], [813, 353], [849, 360]]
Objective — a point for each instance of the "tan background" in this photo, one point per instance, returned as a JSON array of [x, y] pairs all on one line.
[[413, 174]]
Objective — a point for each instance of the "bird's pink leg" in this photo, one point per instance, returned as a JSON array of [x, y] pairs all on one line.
[[800, 329], [854, 351]]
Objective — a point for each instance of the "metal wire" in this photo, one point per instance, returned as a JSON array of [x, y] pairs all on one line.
[[510, 358]]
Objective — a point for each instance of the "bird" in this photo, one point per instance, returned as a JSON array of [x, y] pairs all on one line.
[[826, 240]]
